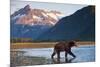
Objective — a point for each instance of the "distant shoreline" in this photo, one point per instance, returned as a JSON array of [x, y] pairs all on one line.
[[43, 44]]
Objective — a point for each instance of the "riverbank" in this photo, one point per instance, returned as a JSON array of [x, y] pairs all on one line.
[[43, 44], [37, 56]]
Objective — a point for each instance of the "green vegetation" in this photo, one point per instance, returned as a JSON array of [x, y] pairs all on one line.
[[30, 40]]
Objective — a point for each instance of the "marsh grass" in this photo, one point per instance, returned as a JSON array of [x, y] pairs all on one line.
[[42, 44]]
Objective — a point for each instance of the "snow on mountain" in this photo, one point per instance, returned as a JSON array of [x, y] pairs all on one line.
[[29, 16], [30, 23]]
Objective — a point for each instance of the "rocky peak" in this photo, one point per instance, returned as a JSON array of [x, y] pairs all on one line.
[[29, 16], [27, 8]]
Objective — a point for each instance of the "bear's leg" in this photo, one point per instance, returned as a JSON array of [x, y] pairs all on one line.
[[66, 59], [53, 54], [71, 54], [66, 54], [58, 56]]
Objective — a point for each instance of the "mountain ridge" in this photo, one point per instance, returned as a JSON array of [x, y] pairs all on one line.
[[72, 27], [30, 23], [29, 16]]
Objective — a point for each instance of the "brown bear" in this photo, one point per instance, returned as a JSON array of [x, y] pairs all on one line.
[[64, 46]]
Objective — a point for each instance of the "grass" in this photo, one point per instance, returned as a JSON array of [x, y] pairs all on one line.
[[42, 45], [32, 45]]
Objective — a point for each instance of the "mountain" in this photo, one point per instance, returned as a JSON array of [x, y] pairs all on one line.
[[29, 16], [78, 26], [30, 23]]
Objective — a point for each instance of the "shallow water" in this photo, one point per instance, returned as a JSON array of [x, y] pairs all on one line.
[[83, 54]]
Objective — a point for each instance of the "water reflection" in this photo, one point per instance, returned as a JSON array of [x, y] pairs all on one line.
[[70, 60], [56, 61], [20, 57]]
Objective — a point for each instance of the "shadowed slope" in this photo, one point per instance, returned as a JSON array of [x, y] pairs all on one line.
[[80, 25]]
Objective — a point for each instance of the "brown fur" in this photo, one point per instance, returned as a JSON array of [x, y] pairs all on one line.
[[64, 46]]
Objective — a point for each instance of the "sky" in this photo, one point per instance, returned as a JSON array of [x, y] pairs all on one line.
[[64, 8]]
